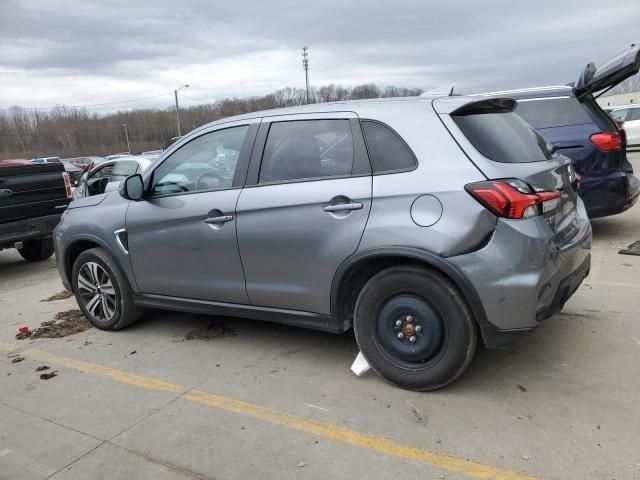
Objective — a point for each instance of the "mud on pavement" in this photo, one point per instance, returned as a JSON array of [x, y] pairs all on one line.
[[64, 324]]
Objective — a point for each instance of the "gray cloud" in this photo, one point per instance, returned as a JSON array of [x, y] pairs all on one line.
[[64, 51]]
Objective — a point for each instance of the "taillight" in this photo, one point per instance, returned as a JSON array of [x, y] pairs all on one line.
[[67, 184], [607, 141], [513, 198]]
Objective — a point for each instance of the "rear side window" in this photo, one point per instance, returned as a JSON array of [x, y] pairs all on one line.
[[619, 115], [307, 149], [503, 137], [635, 114], [387, 150], [552, 112]]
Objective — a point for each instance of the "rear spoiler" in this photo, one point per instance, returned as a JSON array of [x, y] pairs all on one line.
[[473, 105]]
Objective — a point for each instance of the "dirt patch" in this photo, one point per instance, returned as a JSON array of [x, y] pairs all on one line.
[[64, 324], [213, 331], [63, 295]]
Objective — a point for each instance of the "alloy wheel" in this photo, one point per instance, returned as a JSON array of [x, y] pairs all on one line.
[[97, 292]]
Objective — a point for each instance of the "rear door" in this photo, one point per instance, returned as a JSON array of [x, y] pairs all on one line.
[[632, 127], [609, 74], [304, 208]]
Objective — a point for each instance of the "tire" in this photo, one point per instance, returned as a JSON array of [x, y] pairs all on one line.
[[431, 309], [109, 306], [36, 250]]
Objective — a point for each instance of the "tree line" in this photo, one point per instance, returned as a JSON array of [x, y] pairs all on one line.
[[70, 132]]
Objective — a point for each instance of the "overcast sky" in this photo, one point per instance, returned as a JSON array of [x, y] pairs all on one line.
[[84, 52]]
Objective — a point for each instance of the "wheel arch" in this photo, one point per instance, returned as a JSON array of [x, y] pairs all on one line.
[[354, 272]]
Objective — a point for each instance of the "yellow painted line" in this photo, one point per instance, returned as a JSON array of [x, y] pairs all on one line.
[[333, 432]]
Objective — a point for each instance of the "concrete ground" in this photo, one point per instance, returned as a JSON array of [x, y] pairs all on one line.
[[269, 401]]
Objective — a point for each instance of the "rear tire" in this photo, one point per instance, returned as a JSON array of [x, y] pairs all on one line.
[[102, 292], [36, 250], [414, 328]]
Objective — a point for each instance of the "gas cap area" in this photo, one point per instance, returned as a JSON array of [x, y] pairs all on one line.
[[426, 210]]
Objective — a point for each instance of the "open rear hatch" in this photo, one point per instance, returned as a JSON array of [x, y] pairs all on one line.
[[595, 79]]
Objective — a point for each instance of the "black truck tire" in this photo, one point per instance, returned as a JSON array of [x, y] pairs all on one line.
[[36, 250]]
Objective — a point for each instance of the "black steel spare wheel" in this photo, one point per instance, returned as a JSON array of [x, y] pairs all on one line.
[[414, 327], [410, 328]]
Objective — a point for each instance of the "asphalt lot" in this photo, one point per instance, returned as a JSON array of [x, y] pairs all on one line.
[[262, 401]]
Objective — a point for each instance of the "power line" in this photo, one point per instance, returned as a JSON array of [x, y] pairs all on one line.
[[93, 104]]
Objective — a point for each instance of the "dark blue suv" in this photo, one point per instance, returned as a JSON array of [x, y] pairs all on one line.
[[569, 118]]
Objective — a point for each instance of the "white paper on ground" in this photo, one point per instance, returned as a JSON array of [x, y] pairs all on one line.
[[360, 365]]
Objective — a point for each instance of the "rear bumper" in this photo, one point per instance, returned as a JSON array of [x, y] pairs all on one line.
[[28, 229], [522, 276], [609, 195]]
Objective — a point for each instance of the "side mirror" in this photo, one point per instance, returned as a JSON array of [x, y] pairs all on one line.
[[132, 188]]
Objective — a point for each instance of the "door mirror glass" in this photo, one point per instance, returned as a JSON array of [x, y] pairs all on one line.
[[132, 188]]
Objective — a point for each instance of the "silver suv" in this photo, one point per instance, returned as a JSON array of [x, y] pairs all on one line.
[[422, 223]]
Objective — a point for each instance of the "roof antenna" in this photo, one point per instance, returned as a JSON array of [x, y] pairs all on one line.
[[451, 92]]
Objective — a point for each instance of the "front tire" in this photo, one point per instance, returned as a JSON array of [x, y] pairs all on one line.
[[36, 250], [414, 328], [102, 292]]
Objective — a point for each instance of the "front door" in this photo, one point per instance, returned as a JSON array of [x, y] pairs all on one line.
[[307, 210], [182, 235]]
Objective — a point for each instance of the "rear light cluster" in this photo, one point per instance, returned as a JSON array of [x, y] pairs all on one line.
[[512, 198], [67, 184], [607, 141]]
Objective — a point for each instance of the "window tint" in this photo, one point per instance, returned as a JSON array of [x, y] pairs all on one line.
[[307, 149], [635, 114], [124, 169], [552, 112], [207, 162], [503, 137], [386, 149], [98, 180]]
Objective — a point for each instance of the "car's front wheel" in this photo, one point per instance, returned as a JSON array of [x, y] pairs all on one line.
[[102, 292], [414, 327]]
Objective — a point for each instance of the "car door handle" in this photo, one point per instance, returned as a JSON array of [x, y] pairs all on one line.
[[220, 219], [343, 206]]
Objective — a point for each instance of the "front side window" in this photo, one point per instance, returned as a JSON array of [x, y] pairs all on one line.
[[207, 162], [98, 180], [635, 114], [307, 149], [552, 112], [124, 169], [386, 149]]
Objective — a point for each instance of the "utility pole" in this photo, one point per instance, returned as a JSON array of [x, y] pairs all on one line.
[[126, 135], [175, 94], [305, 65]]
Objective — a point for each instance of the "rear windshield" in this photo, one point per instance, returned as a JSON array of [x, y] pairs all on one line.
[[503, 137], [552, 112]]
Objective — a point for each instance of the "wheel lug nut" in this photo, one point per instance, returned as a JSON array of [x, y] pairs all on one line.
[[412, 339], [418, 328], [401, 335], [409, 318], [398, 323]]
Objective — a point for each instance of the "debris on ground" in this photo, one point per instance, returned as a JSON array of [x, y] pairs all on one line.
[[64, 324], [633, 249], [135, 351], [47, 376], [17, 359], [360, 365], [302, 464], [216, 329], [42, 368], [521, 388], [63, 295], [23, 329]]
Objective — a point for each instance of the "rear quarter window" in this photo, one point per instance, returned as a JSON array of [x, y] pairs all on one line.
[[503, 137], [552, 112], [387, 151]]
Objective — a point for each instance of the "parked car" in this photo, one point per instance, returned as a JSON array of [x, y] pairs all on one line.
[[46, 160], [85, 162], [152, 154], [418, 222], [32, 200], [74, 172], [629, 116], [107, 175], [569, 118]]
